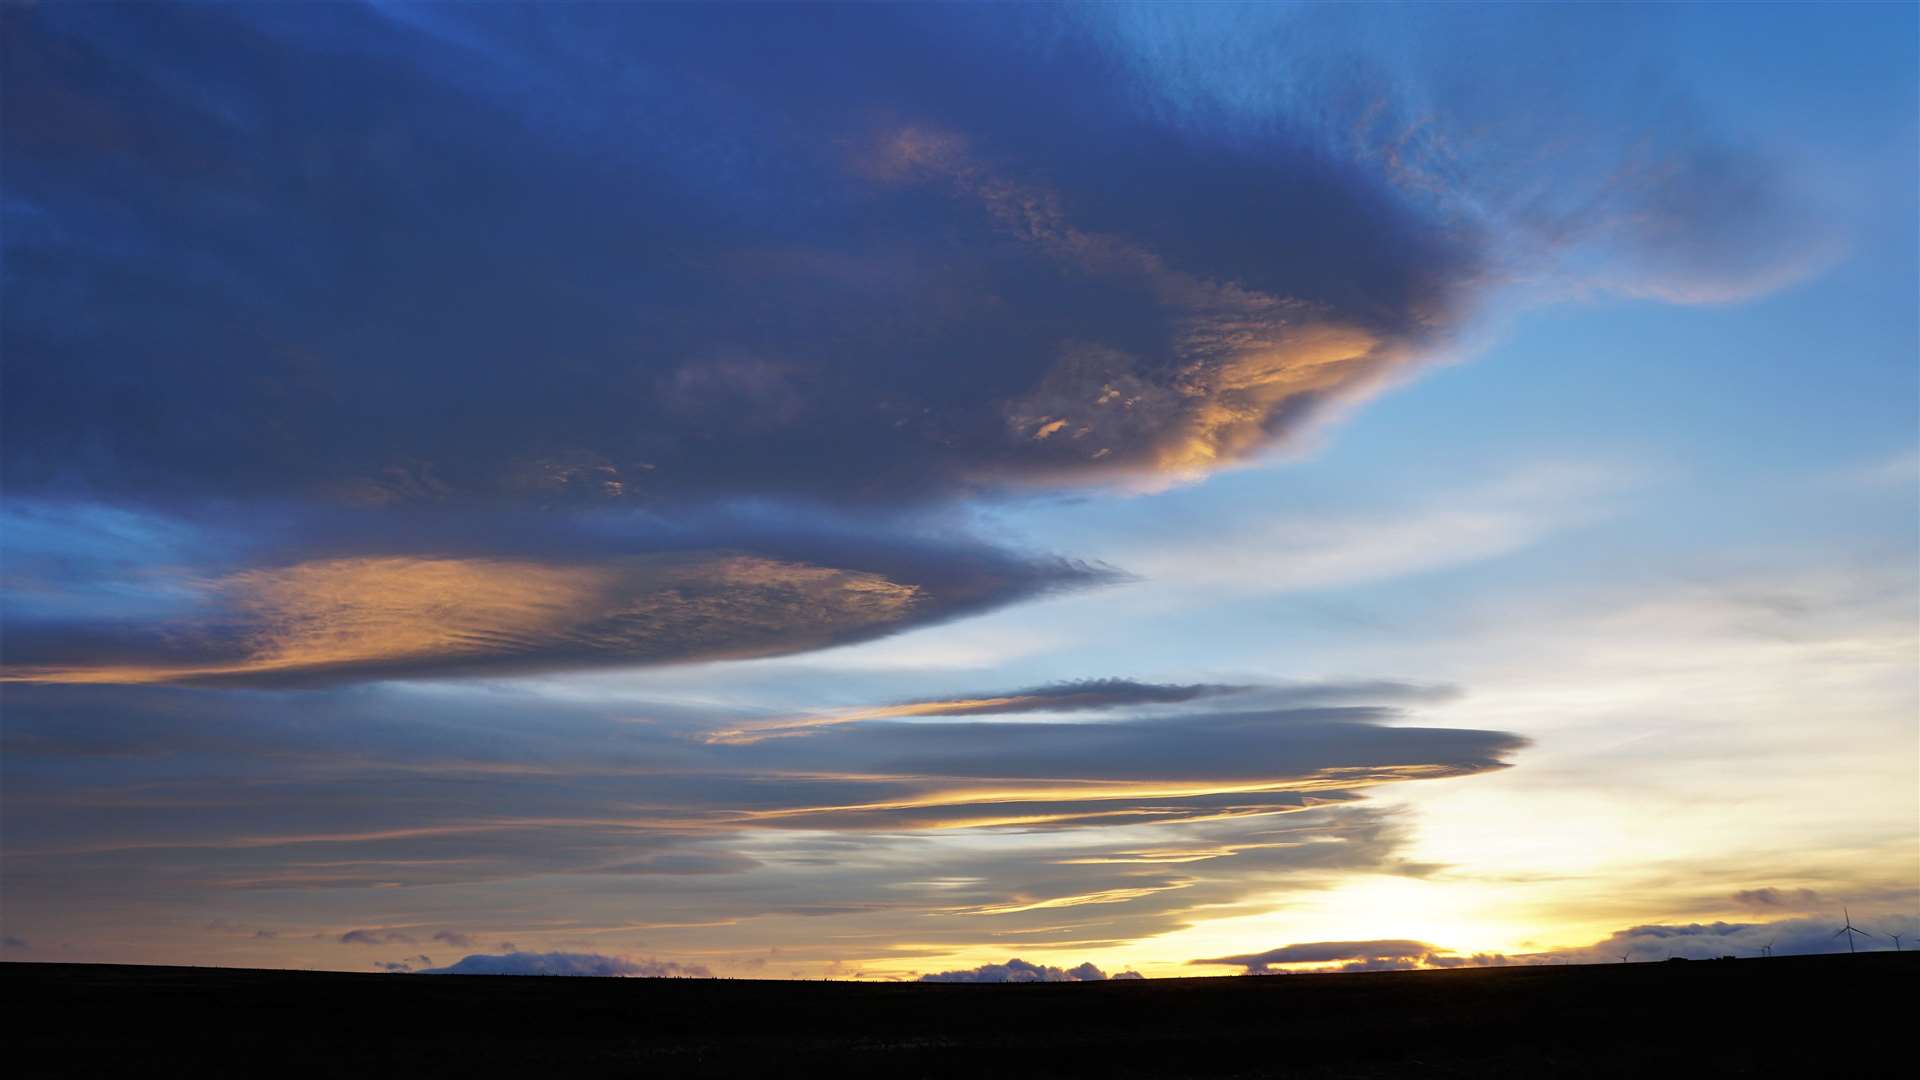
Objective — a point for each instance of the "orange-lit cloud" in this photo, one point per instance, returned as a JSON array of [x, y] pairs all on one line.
[[369, 616], [1063, 697], [1245, 366]]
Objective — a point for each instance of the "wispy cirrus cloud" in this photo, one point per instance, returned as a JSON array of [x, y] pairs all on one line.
[[1568, 181], [1335, 548]]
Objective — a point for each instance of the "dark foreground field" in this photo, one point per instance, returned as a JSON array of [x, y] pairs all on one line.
[[1830, 1016]]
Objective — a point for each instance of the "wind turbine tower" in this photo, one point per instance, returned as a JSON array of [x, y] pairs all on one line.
[[1850, 930]]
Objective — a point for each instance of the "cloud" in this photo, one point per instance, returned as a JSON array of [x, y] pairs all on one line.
[[1280, 751], [1112, 822], [1477, 960], [12, 942], [1019, 971], [454, 938], [1805, 935], [1060, 697], [1154, 767], [563, 963], [573, 595], [1238, 366], [812, 303], [1359, 956], [1657, 196], [1792, 899], [411, 963], [376, 937], [1335, 548], [1644, 943], [899, 279]]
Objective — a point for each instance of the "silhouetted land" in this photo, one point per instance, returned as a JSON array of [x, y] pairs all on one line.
[[1826, 1016]]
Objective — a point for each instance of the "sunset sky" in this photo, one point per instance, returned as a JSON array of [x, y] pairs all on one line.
[[882, 491]]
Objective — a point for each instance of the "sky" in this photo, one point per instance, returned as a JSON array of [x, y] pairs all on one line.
[[985, 493]]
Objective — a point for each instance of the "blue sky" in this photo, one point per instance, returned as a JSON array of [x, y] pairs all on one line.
[[879, 491]]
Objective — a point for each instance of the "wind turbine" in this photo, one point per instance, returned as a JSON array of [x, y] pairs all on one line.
[[1767, 949], [1850, 930], [1896, 942], [1625, 955]]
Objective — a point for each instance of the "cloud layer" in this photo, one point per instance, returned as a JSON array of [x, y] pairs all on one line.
[[1017, 970], [1099, 827]]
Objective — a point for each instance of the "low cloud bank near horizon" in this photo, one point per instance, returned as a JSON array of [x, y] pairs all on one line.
[[1352, 956], [1652, 942], [1804, 935], [573, 964], [1017, 970]]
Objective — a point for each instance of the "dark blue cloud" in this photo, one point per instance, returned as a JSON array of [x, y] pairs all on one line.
[[395, 283], [652, 254]]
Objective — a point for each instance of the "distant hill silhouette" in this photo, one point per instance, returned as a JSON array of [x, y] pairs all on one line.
[[1821, 1015]]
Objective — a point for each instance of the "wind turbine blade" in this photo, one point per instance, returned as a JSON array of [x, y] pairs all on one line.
[[1840, 931]]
